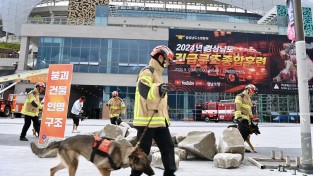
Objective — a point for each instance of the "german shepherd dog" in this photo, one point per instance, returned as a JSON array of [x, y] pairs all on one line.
[[253, 128], [120, 154]]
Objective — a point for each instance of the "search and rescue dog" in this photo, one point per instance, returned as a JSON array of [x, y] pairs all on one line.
[[106, 155], [253, 128]]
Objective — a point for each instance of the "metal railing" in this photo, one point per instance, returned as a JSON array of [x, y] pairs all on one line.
[[9, 55]]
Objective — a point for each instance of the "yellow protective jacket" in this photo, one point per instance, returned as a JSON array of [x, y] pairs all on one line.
[[148, 98], [116, 107], [243, 106], [28, 108]]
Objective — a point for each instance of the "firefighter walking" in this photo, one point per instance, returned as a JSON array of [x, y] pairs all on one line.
[[117, 108], [30, 110], [151, 109], [243, 113]]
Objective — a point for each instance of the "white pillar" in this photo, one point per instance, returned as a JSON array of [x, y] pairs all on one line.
[[23, 58]]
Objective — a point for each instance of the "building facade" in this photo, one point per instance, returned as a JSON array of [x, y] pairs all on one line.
[[108, 44]]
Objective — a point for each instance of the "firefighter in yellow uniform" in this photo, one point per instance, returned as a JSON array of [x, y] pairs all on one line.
[[117, 108], [243, 113], [30, 110], [151, 104]]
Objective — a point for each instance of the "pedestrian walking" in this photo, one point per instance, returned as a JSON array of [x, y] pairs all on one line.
[[151, 109], [76, 111], [117, 108], [31, 109]]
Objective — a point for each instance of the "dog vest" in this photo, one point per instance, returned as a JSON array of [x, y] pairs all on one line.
[[101, 147], [101, 144]]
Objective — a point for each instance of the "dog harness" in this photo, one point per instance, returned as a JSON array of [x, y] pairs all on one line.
[[101, 147]]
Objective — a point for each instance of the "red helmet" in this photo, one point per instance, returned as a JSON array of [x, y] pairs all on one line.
[[114, 94], [41, 85], [164, 50], [252, 88]]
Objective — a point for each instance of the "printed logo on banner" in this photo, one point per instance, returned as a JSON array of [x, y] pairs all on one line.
[[55, 108], [180, 37]]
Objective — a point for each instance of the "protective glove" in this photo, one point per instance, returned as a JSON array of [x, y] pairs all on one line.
[[166, 87]]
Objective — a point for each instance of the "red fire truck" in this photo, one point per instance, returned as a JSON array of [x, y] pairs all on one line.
[[13, 104], [223, 110]]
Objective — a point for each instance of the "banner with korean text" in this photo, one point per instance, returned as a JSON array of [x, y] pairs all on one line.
[[224, 61], [57, 94]]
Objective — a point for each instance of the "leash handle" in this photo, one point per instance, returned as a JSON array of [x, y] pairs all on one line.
[[146, 128]]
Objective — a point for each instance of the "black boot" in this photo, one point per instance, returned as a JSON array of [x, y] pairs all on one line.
[[247, 151], [23, 139]]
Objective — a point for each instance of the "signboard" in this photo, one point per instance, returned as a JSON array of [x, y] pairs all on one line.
[[219, 61], [57, 94]]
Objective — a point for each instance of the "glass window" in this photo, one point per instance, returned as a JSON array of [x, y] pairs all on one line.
[[143, 44], [83, 68], [115, 43], [102, 69], [133, 70], [133, 56], [103, 55], [133, 44], [67, 42], [75, 54], [115, 56], [124, 56], [66, 59], [40, 41], [76, 42], [46, 53], [123, 70], [123, 44], [114, 68], [95, 43], [93, 69], [86, 42], [55, 54], [94, 54], [84, 55], [66, 55], [76, 68], [144, 56], [104, 43]]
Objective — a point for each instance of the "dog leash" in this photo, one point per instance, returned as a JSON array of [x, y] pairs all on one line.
[[146, 128]]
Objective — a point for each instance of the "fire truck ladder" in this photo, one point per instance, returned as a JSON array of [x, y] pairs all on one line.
[[20, 76]]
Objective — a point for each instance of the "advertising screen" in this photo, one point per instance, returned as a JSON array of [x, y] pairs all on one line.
[[219, 61]]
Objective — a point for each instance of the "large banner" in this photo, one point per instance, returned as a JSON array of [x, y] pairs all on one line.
[[57, 94], [219, 61]]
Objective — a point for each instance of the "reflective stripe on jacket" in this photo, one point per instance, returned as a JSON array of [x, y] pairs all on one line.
[[148, 99], [243, 106], [28, 108], [116, 107]]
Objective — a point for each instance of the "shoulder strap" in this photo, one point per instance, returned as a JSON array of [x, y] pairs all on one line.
[[242, 95], [146, 67], [32, 92], [150, 68], [120, 99]]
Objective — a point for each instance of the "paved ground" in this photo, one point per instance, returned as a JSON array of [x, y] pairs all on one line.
[[16, 157]]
